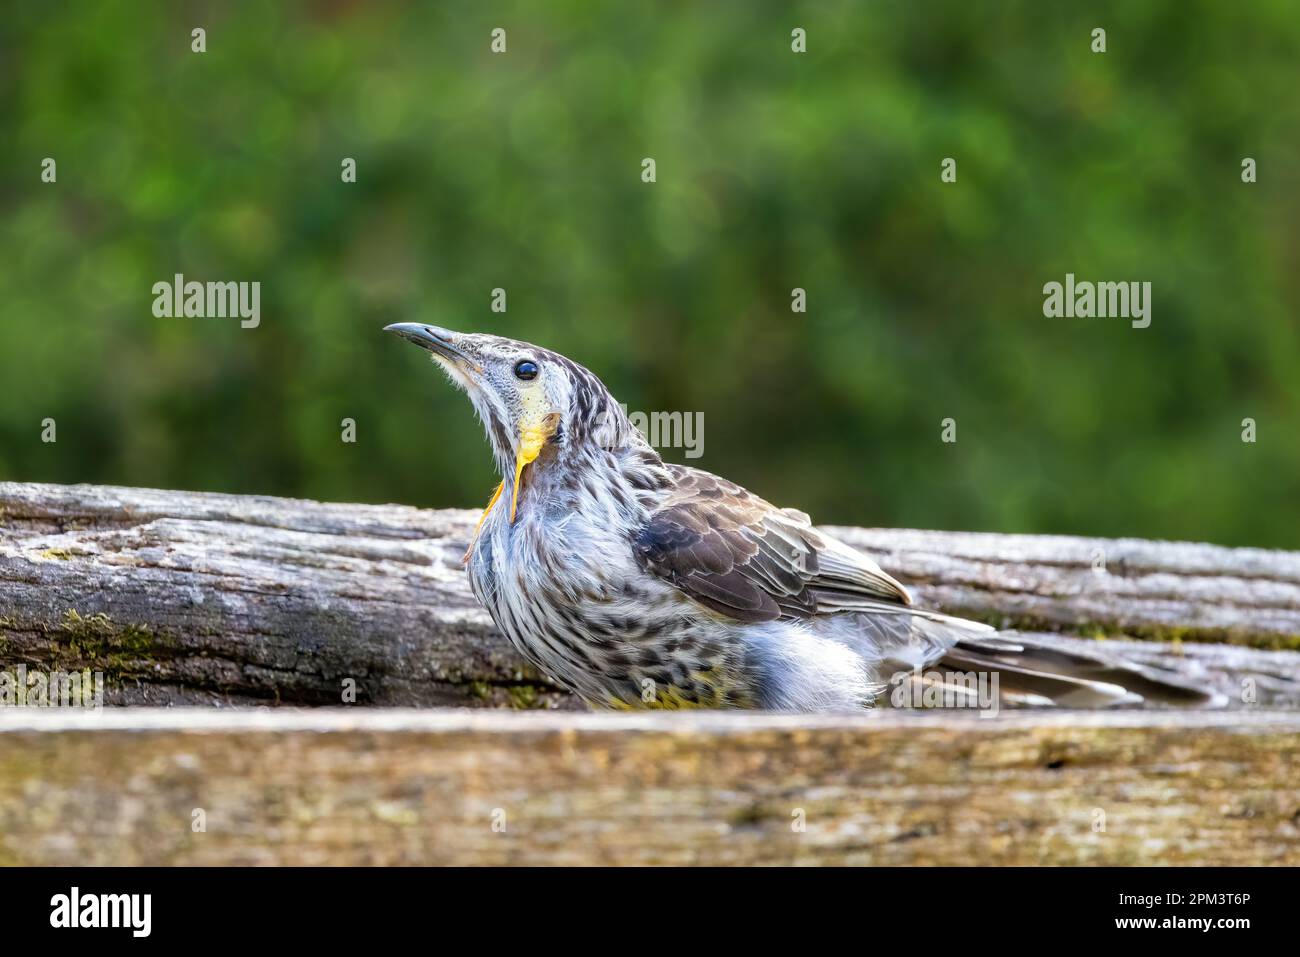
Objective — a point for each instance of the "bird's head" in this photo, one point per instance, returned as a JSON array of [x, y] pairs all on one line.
[[531, 400]]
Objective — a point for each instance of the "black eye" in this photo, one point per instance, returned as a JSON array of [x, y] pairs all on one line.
[[526, 369]]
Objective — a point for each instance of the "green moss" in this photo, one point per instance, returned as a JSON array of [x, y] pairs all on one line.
[[1173, 634], [120, 651], [523, 697], [1178, 634], [58, 554]]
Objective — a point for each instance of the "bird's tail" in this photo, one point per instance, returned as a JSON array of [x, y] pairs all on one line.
[[1023, 671], [1032, 673]]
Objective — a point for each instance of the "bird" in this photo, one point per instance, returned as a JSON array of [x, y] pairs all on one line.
[[636, 583]]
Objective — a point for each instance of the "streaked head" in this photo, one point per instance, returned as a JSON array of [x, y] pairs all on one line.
[[529, 398]]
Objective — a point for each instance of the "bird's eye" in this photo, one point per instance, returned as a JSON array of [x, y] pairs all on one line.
[[526, 370]]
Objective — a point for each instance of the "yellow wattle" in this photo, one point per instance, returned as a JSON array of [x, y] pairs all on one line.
[[530, 446], [481, 519]]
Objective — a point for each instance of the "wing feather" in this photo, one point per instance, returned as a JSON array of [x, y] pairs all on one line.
[[742, 557]]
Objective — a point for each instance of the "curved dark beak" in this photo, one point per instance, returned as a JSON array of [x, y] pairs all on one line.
[[438, 341]]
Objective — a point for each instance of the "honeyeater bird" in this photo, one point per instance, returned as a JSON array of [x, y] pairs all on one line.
[[637, 583]]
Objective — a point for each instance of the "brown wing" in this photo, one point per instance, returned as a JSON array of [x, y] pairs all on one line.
[[747, 559]]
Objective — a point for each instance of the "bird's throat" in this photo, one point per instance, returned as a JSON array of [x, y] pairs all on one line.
[[529, 449], [531, 442]]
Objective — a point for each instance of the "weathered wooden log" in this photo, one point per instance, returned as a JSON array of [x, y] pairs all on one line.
[[194, 598], [203, 598], [370, 786]]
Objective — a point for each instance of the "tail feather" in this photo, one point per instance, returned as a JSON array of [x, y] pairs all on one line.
[[1033, 673], [1070, 679], [909, 645]]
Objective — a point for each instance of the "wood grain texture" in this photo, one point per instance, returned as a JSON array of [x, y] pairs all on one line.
[[1159, 590], [202, 598], [374, 786]]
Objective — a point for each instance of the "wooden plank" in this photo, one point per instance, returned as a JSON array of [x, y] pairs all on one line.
[[389, 786], [201, 598], [1158, 590]]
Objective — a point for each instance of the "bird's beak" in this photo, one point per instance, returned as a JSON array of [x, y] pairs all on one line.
[[441, 342]]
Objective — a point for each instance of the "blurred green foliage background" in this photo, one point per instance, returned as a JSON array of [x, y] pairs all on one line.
[[775, 170]]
